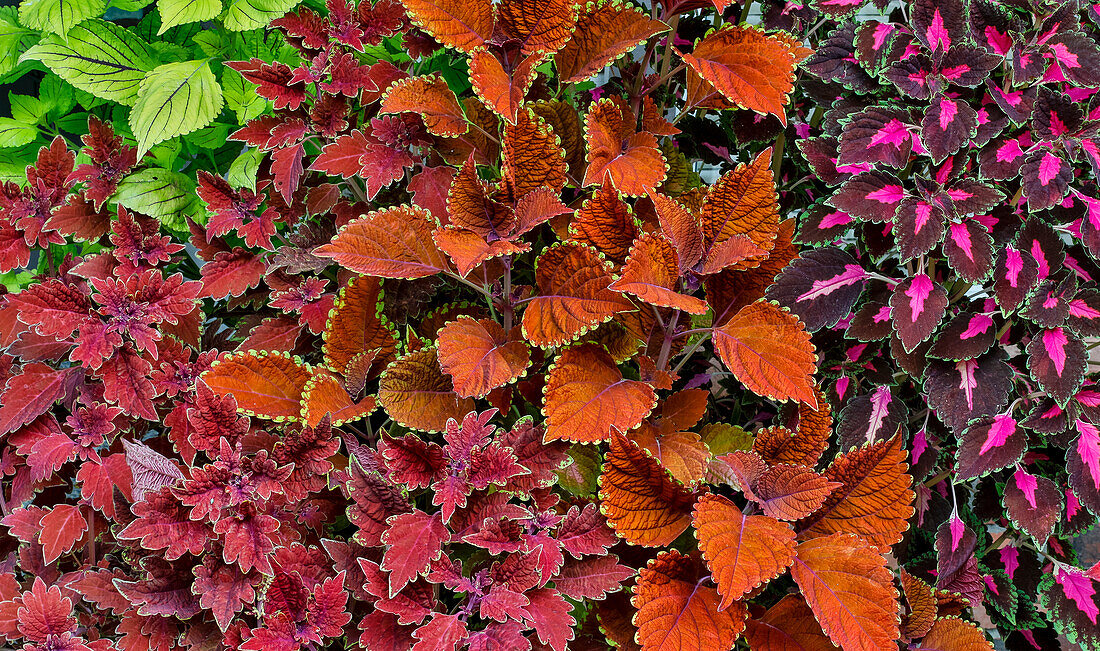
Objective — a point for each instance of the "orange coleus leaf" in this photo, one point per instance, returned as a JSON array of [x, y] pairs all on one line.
[[805, 445], [432, 99], [573, 295], [875, 499], [742, 203], [651, 273], [750, 68], [681, 227], [789, 492], [356, 325], [921, 599], [787, 626], [606, 222], [266, 384], [631, 160], [536, 208], [502, 91], [640, 499], [605, 30], [742, 551], [654, 121], [391, 243], [677, 611], [416, 393], [325, 395], [467, 249], [533, 156], [479, 356], [732, 289], [462, 24], [682, 453], [586, 395], [470, 207], [769, 351], [563, 119], [541, 26], [953, 634], [850, 591]]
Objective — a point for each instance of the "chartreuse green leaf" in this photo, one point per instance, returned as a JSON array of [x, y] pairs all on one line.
[[241, 97], [241, 15], [99, 57], [179, 12], [26, 109], [244, 170], [159, 193], [57, 16], [14, 39], [174, 99], [14, 133]]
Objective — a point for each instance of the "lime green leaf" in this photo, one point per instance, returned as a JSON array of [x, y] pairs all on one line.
[[241, 97], [99, 57], [211, 137], [243, 171], [174, 99], [158, 193], [58, 96], [14, 133], [252, 14], [57, 16], [26, 109], [129, 5], [14, 39], [179, 12], [74, 122]]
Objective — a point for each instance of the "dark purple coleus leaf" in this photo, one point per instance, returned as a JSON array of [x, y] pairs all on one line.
[[871, 196], [821, 154], [869, 418], [913, 77], [917, 307], [1084, 313], [1083, 465], [966, 65], [1046, 417], [1046, 178], [1033, 503], [972, 196], [834, 59], [948, 124], [820, 287], [965, 336], [879, 44], [1016, 104], [871, 322], [1072, 601], [969, 250], [1039, 239], [1078, 57], [1055, 115], [939, 23], [988, 445], [822, 224], [1048, 305], [1057, 360], [1014, 275], [1002, 158], [962, 391], [918, 227], [877, 134], [955, 544], [990, 24], [992, 121]]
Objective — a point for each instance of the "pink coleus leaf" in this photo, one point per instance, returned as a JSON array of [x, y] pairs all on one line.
[[1033, 503]]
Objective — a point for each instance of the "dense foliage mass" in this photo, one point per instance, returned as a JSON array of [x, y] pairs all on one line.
[[461, 324]]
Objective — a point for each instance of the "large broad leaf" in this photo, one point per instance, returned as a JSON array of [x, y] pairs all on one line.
[[356, 327], [851, 592], [179, 12], [742, 551], [953, 634], [479, 356], [57, 16], [391, 243], [604, 32], [431, 98], [749, 68], [652, 272], [677, 611], [643, 503], [533, 155], [742, 203], [417, 394], [31, 393], [805, 445], [100, 57], [174, 99], [242, 15], [769, 351], [586, 395], [462, 24], [631, 160], [266, 384], [159, 193]]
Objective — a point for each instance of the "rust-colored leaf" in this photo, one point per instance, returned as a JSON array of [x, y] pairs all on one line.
[[573, 295], [651, 273], [742, 551], [640, 499], [631, 161], [804, 446], [356, 325], [742, 202], [502, 92], [769, 351], [467, 249], [682, 227], [953, 634], [850, 591], [875, 499], [431, 98], [566, 123], [533, 156], [470, 207], [586, 395], [750, 68], [391, 243], [416, 393], [921, 599], [324, 394], [605, 31], [789, 492], [266, 384], [787, 626], [541, 26], [678, 612], [606, 222], [682, 453], [732, 289], [479, 356], [462, 24]]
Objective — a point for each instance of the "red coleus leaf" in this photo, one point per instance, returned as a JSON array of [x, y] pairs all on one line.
[[44, 612], [273, 80], [32, 392], [61, 529], [413, 541]]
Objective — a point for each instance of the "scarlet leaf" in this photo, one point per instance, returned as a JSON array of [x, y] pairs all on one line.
[[742, 551], [432, 99], [850, 591], [391, 243], [461, 24], [61, 529], [44, 612], [31, 393], [604, 32], [416, 393], [413, 541], [678, 612], [586, 396], [769, 351], [592, 577], [641, 501], [479, 356], [266, 384]]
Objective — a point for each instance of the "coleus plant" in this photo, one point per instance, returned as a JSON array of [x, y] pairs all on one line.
[[954, 284]]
